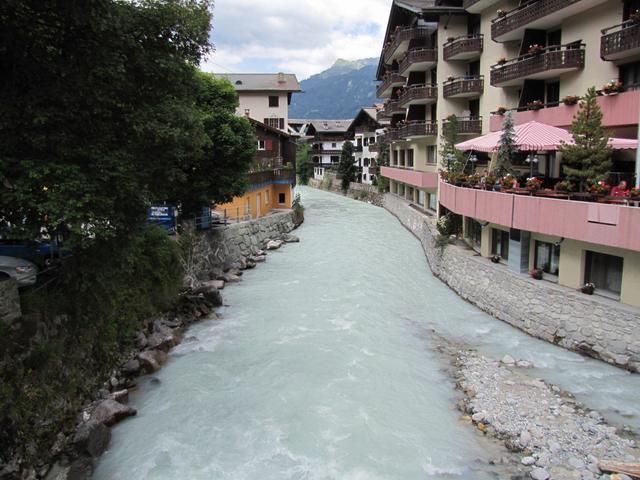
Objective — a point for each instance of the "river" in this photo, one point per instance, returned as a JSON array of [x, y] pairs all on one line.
[[323, 367]]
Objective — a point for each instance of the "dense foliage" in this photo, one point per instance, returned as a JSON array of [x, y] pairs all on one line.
[[590, 157], [450, 155], [304, 166], [508, 148], [346, 167], [382, 161]]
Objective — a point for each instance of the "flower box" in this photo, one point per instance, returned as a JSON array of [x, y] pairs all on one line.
[[570, 100], [535, 105]]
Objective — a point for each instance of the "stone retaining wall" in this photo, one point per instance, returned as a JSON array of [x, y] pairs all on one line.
[[217, 249], [359, 191], [9, 302], [592, 325]]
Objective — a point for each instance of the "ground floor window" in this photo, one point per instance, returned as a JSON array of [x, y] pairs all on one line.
[[281, 198], [474, 232], [335, 159], [422, 198], [433, 201], [500, 243], [547, 257], [604, 271], [266, 197]]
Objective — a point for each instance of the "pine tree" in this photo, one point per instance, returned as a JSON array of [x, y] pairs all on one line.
[[451, 136], [507, 146], [346, 168], [589, 158]]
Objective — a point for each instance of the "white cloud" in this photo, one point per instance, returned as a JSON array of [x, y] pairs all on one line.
[[302, 36]]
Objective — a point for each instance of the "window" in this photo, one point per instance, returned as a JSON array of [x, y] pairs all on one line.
[[500, 243], [410, 157], [402, 154], [604, 271], [630, 75], [335, 159], [266, 197], [274, 122], [431, 155], [281, 198], [274, 101], [395, 157], [547, 257], [422, 198], [261, 145], [474, 232], [365, 162], [433, 201], [553, 93]]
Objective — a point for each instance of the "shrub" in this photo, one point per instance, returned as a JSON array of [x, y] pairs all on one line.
[[449, 224]]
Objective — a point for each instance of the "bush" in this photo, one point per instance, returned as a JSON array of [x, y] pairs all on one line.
[[449, 224], [327, 183]]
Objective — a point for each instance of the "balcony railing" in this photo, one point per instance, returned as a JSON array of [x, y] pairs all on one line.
[[391, 135], [392, 107], [418, 59], [467, 125], [357, 148], [374, 147], [463, 48], [419, 94], [325, 152], [418, 129], [548, 63], [537, 14], [381, 115], [463, 87], [402, 35], [269, 176], [389, 81], [620, 41]]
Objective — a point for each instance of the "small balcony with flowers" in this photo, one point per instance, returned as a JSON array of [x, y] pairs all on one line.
[[536, 15], [464, 48], [418, 95], [621, 41], [469, 86], [539, 63]]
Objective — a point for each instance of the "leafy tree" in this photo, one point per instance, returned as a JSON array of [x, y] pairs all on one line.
[[346, 168], [589, 158], [451, 136], [507, 148], [98, 113], [305, 167], [382, 161]]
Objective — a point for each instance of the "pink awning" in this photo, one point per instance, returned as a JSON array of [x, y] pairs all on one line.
[[535, 136]]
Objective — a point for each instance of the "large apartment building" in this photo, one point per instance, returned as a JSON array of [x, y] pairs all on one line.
[[264, 99], [477, 59]]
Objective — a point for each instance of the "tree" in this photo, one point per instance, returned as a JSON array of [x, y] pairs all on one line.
[[346, 168], [382, 161], [507, 148], [454, 158], [98, 116], [589, 158], [305, 167]]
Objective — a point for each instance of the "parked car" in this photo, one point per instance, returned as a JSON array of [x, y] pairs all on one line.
[[23, 271], [42, 254]]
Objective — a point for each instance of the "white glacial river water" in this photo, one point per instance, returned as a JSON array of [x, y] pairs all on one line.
[[323, 367]]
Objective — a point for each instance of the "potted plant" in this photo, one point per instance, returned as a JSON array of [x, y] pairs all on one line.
[[564, 186], [508, 181], [495, 258], [535, 49], [501, 13], [445, 176], [501, 110], [600, 188], [490, 181], [588, 288], [474, 179], [450, 39], [635, 16], [537, 273], [634, 192], [535, 105], [533, 184], [460, 178], [501, 61], [612, 87], [570, 100]]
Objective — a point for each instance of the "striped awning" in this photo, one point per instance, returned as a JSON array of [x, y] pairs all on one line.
[[535, 136]]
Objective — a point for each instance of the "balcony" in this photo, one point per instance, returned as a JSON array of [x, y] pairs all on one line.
[[549, 63], [415, 129], [468, 47], [389, 82], [477, 6], [392, 107], [411, 177], [598, 223], [391, 135], [419, 95], [357, 148], [537, 15], [618, 110], [400, 40], [381, 115], [620, 41], [468, 125], [279, 175], [463, 87], [374, 147], [418, 60]]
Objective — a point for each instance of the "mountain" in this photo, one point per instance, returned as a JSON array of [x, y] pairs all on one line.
[[337, 93]]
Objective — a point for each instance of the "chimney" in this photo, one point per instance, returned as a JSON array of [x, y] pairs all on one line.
[[281, 78]]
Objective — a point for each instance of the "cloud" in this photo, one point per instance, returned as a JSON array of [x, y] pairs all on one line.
[[303, 36]]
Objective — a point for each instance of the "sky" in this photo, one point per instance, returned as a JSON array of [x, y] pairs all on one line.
[[294, 36]]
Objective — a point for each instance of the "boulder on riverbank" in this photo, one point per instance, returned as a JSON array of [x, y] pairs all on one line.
[[110, 412]]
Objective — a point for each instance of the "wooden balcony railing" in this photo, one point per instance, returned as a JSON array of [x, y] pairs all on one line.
[[620, 40], [391, 135], [418, 55], [463, 87], [392, 107], [381, 115], [404, 34], [525, 14], [374, 147], [467, 125], [551, 59], [388, 81], [268, 176], [419, 94], [418, 129], [463, 48]]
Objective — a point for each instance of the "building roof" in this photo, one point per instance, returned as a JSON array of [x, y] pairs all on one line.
[[262, 82], [267, 128], [330, 126], [366, 114]]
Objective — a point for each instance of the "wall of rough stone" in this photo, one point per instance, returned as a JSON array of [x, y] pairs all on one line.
[[592, 325], [215, 250], [356, 190], [9, 302]]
